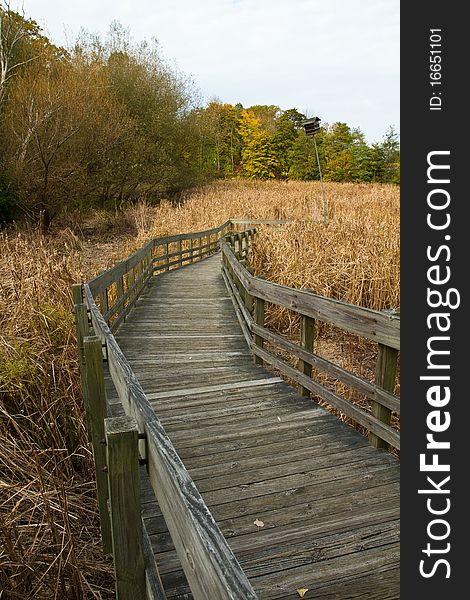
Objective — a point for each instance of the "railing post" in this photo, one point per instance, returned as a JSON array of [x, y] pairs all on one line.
[[131, 283], [77, 293], [200, 247], [104, 303], [167, 252], [124, 499], [96, 407], [83, 330], [139, 273], [259, 320], [180, 250], [385, 373], [191, 243], [237, 244], [307, 335], [119, 288]]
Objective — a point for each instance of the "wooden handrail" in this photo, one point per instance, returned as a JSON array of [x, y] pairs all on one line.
[[210, 566], [208, 562], [371, 324], [376, 326], [124, 282]]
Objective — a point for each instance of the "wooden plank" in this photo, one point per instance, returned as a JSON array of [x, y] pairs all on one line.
[[234, 293], [191, 251], [260, 221], [214, 388], [342, 569], [385, 373], [240, 310], [179, 252], [266, 551], [153, 582], [82, 330], [325, 494], [77, 294], [307, 466], [285, 509], [123, 484]]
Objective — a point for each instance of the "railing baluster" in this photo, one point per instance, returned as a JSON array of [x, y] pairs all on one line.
[[385, 373], [307, 335], [180, 250], [259, 320]]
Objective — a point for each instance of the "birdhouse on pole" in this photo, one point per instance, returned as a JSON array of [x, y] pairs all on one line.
[[311, 126]]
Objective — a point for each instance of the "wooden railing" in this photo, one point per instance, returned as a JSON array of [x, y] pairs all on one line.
[[209, 564], [116, 290], [250, 293], [121, 443]]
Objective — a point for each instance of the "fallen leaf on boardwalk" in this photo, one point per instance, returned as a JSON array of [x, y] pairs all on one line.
[[302, 592], [279, 418], [258, 523]]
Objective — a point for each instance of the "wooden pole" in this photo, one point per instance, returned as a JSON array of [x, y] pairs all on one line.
[[124, 499], [259, 320], [180, 250], [77, 293], [97, 414], [385, 373], [82, 329], [307, 335]]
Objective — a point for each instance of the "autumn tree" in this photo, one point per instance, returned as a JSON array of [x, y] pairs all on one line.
[[21, 43], [62, 126], [259, 157]]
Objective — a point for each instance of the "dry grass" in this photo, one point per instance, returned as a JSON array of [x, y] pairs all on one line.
[[49, 525], [49, 528]]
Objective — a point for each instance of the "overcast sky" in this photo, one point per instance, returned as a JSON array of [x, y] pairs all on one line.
[[337, 59]]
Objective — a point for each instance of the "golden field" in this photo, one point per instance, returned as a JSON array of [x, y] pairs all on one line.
[[50, 533]]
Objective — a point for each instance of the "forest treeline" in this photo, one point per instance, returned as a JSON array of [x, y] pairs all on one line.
[[109, 121]]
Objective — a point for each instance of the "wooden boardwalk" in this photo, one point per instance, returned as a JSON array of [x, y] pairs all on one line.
[[258, 451]]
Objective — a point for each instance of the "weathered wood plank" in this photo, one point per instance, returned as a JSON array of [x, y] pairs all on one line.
[[202, 390]]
